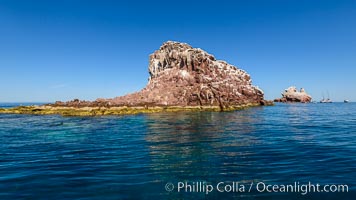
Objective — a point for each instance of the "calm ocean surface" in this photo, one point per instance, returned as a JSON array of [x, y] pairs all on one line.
[[134, 157]]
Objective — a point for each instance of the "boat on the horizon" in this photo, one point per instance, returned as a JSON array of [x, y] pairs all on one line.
[[346, 101], [326, 101]]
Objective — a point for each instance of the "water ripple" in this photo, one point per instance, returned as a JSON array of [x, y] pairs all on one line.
[[132, 157]]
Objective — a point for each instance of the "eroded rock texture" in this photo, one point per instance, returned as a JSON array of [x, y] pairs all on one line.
[[291, 94], [181, 75]]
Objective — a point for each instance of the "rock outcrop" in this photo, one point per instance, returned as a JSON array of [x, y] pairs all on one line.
[[180, 78], [181, 75], [292, 95]]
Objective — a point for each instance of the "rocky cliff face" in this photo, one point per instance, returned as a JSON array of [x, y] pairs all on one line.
[[181, 75], [292, 95]]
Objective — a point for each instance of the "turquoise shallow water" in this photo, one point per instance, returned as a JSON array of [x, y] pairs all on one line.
[[134, 157]]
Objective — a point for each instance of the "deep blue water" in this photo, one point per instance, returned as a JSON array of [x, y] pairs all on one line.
[[134, 157]]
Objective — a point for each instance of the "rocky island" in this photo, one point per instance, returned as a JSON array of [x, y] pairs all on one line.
[[291, 94], [180, 78]]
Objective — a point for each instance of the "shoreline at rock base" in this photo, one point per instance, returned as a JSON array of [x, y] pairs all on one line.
[[120, 110]]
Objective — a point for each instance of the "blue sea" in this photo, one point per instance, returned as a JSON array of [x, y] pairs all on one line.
[[235, 155]]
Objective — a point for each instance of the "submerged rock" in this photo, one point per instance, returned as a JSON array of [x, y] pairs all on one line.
[[292, 95]]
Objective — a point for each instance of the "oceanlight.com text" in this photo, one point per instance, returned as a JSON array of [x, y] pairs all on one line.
[[248, 187]]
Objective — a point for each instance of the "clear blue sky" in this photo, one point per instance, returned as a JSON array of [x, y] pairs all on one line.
[[60, 50]]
